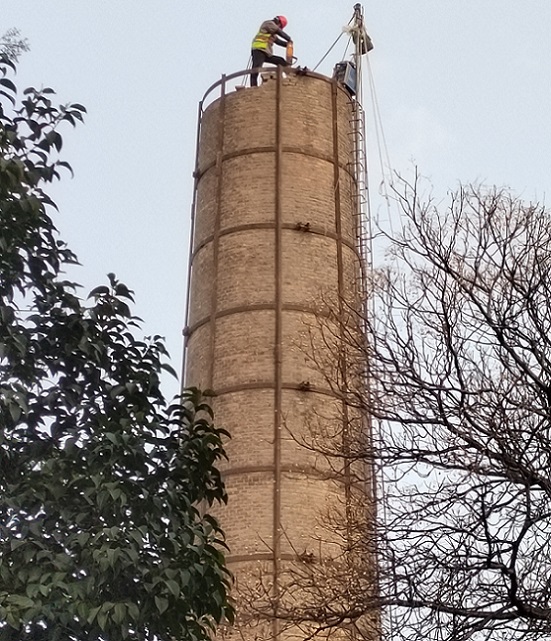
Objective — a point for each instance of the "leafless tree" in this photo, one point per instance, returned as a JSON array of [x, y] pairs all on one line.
[[460, 362], [458, 353], [460, 359]]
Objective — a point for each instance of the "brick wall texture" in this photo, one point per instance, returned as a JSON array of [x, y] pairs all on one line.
[[280, 490]]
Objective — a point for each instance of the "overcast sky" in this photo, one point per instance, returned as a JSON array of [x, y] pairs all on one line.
[[464, 91]]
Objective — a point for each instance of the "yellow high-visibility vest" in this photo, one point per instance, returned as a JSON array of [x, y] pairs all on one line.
[[262, 40]]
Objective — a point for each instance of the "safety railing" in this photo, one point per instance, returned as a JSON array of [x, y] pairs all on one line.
[[230, 82]]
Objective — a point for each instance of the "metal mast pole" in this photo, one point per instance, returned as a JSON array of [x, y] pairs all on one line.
[[358, 41], [363, 45], [363, 232]]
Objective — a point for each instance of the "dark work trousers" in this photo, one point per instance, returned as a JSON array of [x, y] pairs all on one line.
[[259, 58]]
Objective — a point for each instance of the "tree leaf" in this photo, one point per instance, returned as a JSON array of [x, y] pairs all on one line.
[[173, 587], [161, 603]]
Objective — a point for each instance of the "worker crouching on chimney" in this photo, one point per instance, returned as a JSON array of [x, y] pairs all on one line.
[[270, 33]]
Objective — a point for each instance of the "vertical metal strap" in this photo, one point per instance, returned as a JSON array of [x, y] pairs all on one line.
[[187, 310], [342, 350], [216, 233], [278, 347]]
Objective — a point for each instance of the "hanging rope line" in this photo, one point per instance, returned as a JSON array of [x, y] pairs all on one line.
[[249, 66], [382, 147], [328, 51], [333, 46], [347, 47], [380, 493], [379, 121], [379, 137]]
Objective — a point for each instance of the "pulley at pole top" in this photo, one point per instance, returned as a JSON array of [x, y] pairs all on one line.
[[359, 34], [349, 73]]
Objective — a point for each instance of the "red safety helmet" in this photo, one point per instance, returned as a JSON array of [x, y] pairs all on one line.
[[282, 21]]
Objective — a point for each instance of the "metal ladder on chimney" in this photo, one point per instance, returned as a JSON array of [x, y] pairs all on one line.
[[362, 213]]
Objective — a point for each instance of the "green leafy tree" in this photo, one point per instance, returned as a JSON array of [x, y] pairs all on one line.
[[101, 537]]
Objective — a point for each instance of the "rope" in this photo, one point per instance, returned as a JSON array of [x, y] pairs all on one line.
[[329, 51], [249, 66], [347, 47], [382, 148], [379, 120], [333, 46]]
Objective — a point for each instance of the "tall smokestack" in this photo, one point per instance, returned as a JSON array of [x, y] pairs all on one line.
[[274, 285]]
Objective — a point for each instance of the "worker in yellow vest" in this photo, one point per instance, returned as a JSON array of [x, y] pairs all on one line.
[[270, 33]]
